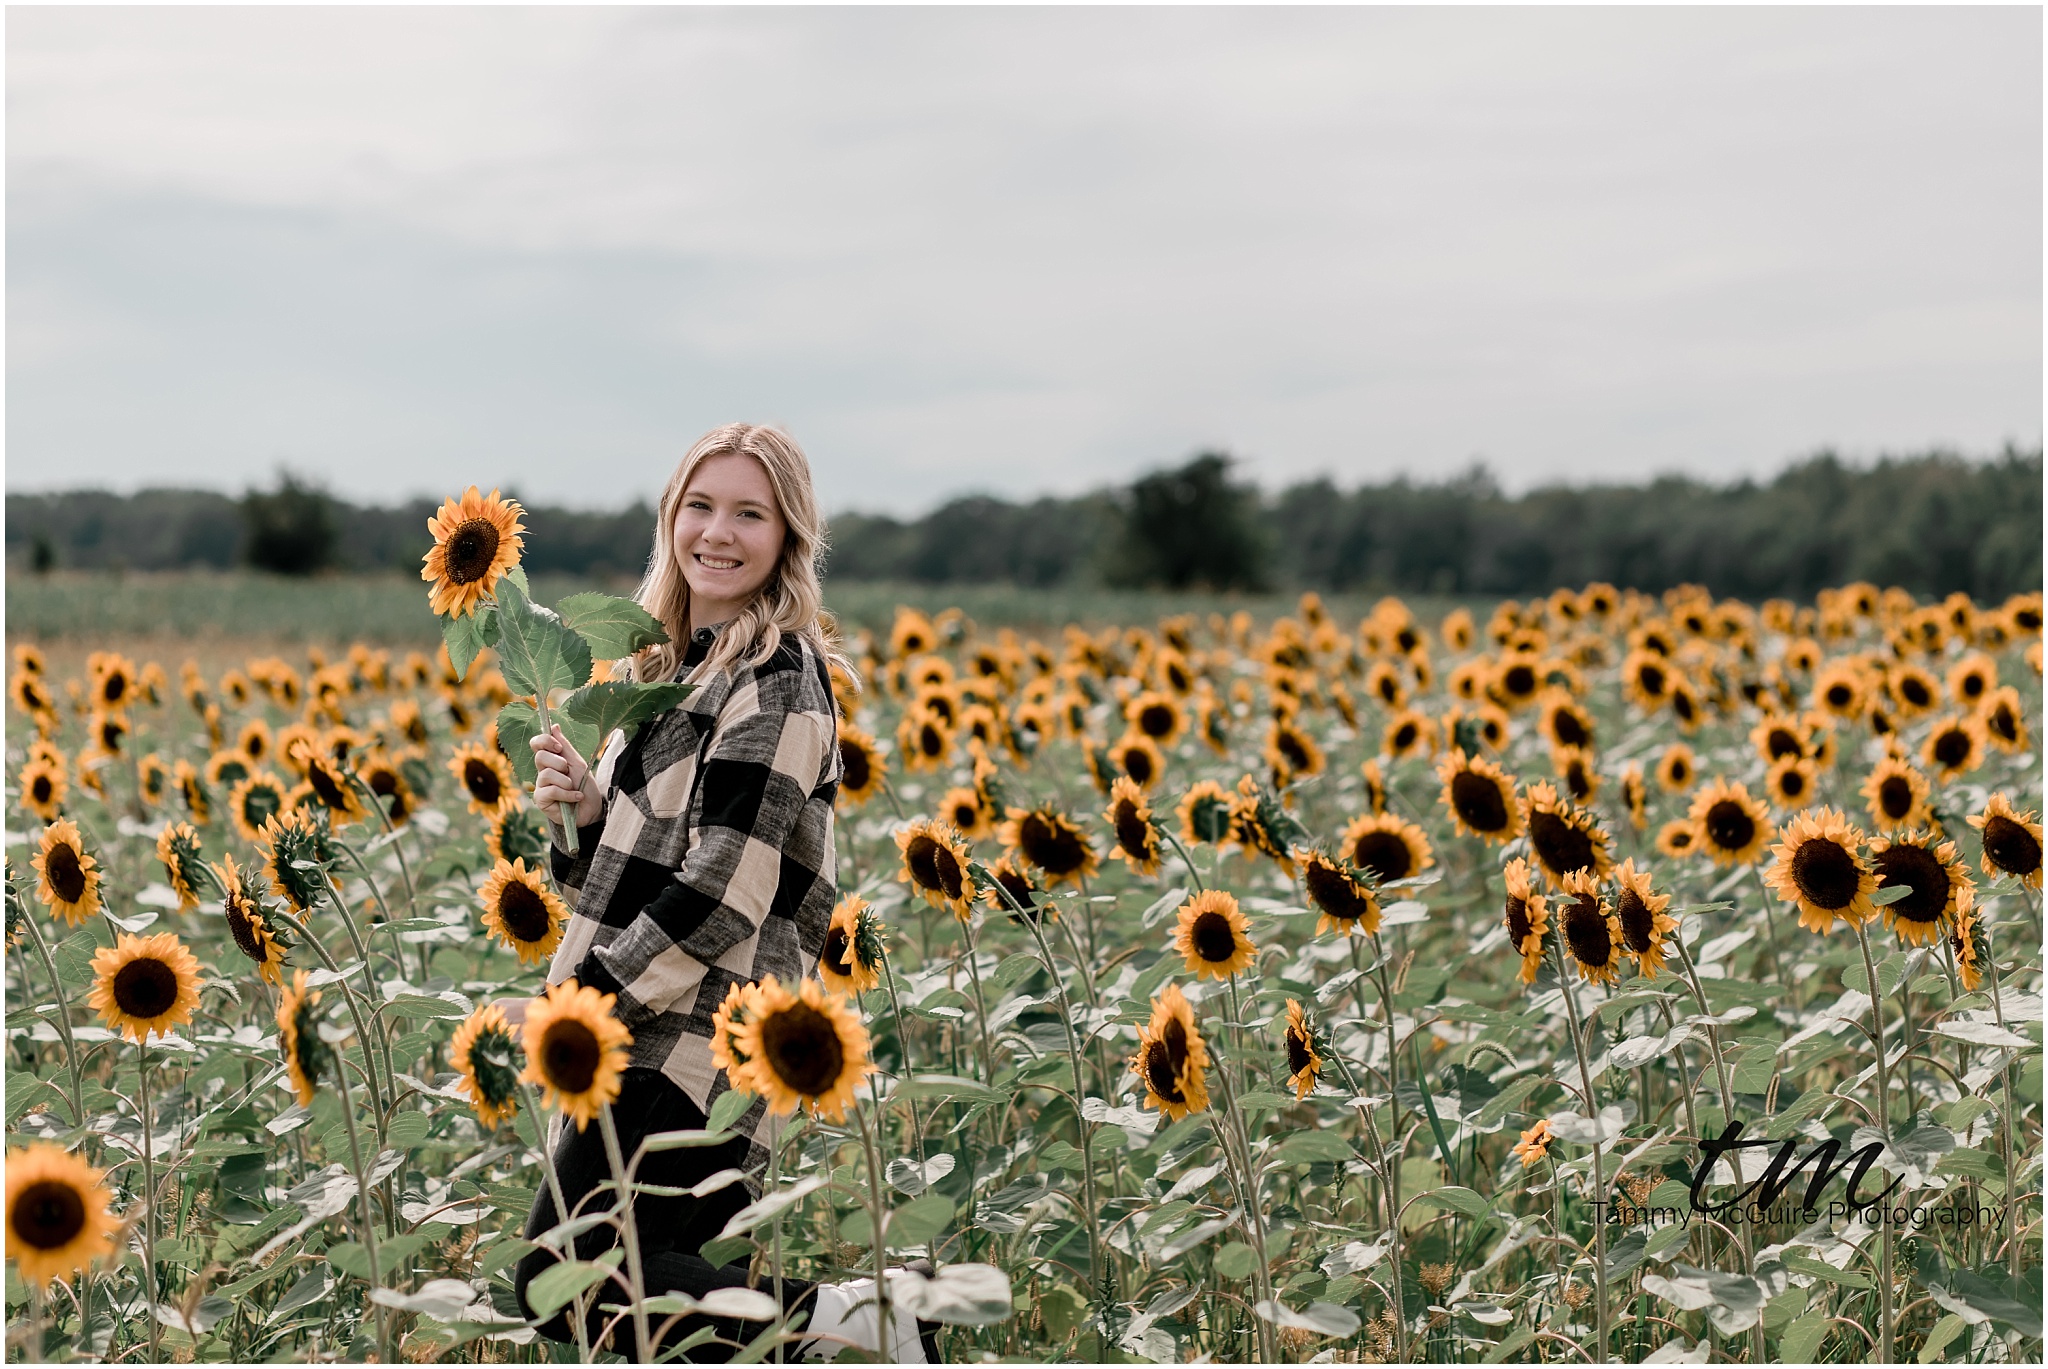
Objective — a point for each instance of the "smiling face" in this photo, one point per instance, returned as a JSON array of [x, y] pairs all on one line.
[[729, 534]]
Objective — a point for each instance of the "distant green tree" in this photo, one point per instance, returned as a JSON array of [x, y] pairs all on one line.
[[291, 530], [1190, 526], [42, 555]]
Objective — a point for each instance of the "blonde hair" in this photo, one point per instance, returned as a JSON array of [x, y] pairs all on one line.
[[790, 603]]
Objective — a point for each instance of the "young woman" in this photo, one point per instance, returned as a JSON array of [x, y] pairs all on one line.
[[705, 859]]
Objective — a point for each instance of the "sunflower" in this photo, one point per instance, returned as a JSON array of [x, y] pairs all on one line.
[[254, 801], [575, 1049], [1205, 814], [2004, 721], [912, 634], [935, 864], [198, 803], [1211, 936], [250, 924], [1343, 893], [1677, 768], [144, 984], [307, 1059], [31, 693], [1383, 683], [1791, 782], [486, 777], [518, 834], [1646, 679], [1156, 715], [294, 742], [294, 840], [1969, 944], [1684, 700], [1563, 837], [1592, 934], [225, 769], [486, 1052], [1535, 1143], [67, 879], [1565, 722], [113, 679], [152, 779], [522, 912], [1262, 825], [805, 1048], [1012, 877], [1574, 767], [58, 1220], [725, 1024], [1291, 753], [1304, 1051], [476, 540], [1639, 911], [1914, 689], [861, 766], [1779, 736], [1171, 1057], [1928, 866], [1896, 794], [1527, 917], [1971, 678], [1137, 757], [1839, 689], [1375, 785], [2012, 841], [1820, 867], [1457, 631], [1407, 733], [1130, 822], [42, 788], [1517, 680], [1044, 838], [1480, 796], [1955, 746], [1386, 847], [963, 810], [1635, 797], [1731, 826], [851, 962]]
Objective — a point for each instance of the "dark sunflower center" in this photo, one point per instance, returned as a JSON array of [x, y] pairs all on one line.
[[802, 1046], [1839, 695], [920, 857], [383, 782], [114, 688], [1138, 764], [1292, 749], [1916, 867], [853, 763], [569, 1055], [930, 740], [471, 550], [1681, 839], [1160, 1075], [1895, 798], [1210, 819], [66, 875], [2012, 848], [2003, 724], [1053, 848], [1729, 825], [242, 925], [1638, 923], [1559, 844], [1383, 853], [1566, 727], [1133, 833], [1973, 685], [111, 733], [482, 780], [1576, 780], [1479, 802], [523, 913], [145, 988], [1681, 704], [1952, 747], [39, 788], [48, 1215], [1298, 1056], [1404, 736], [1019, 888], [1678, 771], [1212, 938], [259, 803], [1335, 894], [1792, 785], [1519, 925], [1518, 680], [1914, 691], [1826, 875], [490, 1065], [1156, 721], [836, 945], [1784, 742], [1650, 678], [1586, 933]]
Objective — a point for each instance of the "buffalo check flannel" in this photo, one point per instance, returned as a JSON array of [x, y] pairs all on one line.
[[712, 863]]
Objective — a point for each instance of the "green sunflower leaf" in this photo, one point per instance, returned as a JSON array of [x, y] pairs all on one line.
[[614, 627], [619, 704], [469, 634], [536, 650]]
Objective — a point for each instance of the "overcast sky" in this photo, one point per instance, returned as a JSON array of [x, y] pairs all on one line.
[[1017, 251]]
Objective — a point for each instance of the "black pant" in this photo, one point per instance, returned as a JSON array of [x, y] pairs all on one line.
[[671, 1230]]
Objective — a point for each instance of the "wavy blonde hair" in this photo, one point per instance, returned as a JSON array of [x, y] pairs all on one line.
[[790, 603]]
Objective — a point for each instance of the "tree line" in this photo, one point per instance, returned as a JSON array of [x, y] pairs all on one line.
[[1934, 523]]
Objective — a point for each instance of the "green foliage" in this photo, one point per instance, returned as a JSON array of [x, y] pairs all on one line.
[[291, 530], [1190, 527]]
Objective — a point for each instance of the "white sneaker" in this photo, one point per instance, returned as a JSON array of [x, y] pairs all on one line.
[[849, 1310]]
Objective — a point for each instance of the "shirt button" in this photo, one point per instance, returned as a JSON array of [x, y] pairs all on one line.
[[703, 636]]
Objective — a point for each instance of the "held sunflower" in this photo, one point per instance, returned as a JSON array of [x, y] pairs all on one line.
[[67, 879], [522, 912], [1821, 867], [935, 864], [575, 1050], [1305, 1051], [1928, 866], [1481, 798], [1130, 821], [1731, 826], [486, 1052], [58, 1219], [2012, 841], [144, 984], [851, 962], [1171, 1057], [807, 1048], [1526, 916], [1342, 893], [476, 540], [1210, 935]]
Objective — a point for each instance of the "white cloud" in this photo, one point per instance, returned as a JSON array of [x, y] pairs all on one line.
[[1013, 249]]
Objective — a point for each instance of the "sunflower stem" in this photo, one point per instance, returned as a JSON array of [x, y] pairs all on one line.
[[1884, 1127], [35, 934], [1393, 1168], [2012, 1244], [565, 810], [1185, 858], [884, 1313], [369, 1219], [148, 1201], [988, 1066], [1599, 1174], [1240, 1159], [383, 1037], [376, 804], [903, 1046], [348, 995], [636, 1277], [554, 1181]]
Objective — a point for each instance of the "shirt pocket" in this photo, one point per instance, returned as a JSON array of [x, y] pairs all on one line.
[[674, 756]]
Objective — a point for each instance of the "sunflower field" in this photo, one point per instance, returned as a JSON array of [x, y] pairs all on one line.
[[1603, 977]]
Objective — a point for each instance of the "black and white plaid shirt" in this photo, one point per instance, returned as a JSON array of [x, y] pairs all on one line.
[[712, 862]]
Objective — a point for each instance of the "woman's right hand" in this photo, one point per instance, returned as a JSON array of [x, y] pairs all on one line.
[[564, 777]]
